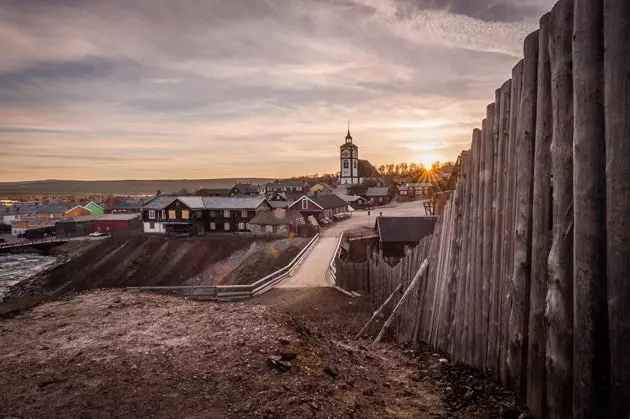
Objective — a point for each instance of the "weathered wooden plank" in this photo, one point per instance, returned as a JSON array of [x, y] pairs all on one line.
[[486, 250], [508, 221], [559, 309], [478, 261], [617, 101], [536, 381], [519, 316], [590, 314], [493, 327]]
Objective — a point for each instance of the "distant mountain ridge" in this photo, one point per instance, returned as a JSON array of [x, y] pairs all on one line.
[[122, 187]]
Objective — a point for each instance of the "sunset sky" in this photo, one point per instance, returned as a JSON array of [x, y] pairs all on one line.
[[125, 89]]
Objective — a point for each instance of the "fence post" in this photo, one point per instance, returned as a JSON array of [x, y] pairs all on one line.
[[590, 348], [508, 220], [617, 100], [536, 381], [478, 253], [559, 309]]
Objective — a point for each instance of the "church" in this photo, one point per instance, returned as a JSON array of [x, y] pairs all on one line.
[[353, 170]]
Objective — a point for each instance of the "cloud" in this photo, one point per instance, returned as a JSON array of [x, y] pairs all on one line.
[[223, 88]]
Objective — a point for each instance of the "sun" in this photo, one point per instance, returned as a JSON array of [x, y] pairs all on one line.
[[427, 159]]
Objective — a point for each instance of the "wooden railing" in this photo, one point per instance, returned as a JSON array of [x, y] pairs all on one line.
[[33, 242], [238, 291], [332, 267]]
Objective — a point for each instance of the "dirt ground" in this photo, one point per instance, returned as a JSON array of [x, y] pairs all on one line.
[[287, 354]]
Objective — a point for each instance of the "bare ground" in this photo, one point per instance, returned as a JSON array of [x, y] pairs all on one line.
[[288, 354]]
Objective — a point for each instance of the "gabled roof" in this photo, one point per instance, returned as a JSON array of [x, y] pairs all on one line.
[[159, 202], [192, 202], [380, 191], [308, 199], [350, 198], [325, 185], [240, 202], [328, 201], [404, 229], [77, 206], [94, 204], [212, 191]]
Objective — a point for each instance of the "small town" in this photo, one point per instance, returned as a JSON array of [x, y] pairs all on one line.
[[315, 209]]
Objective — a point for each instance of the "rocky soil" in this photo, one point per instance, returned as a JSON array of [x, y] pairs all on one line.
[[288, 354]]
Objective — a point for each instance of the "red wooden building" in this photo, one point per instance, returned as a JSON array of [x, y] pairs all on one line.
[[111, 223]]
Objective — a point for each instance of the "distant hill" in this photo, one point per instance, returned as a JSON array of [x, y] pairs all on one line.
[[123, 187]]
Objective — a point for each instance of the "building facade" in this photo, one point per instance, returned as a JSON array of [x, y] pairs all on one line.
[[349, 160]]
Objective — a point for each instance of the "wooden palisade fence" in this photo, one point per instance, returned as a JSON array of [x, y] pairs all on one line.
[[529, 267]]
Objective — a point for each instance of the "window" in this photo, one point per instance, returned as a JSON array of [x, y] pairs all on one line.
[[304, 204], [226, 213], [163, 214], [185, 214], [241, 226], [226, 226], [247, 226], [243, 213], [269, 228], [152, 225], [213, 226], [213, 213], [198, 214], [345, 164], [171, 215], [151, 215], [354, 164]]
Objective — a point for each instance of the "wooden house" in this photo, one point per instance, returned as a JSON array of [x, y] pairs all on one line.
[[378, 195], [196, 215], [320, 206], [241, 189], [300, 187], [212, 192], [397, 234], [76, 211], [115, 223]]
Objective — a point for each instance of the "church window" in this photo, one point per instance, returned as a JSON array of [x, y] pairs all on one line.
[[345, 164], [355, 164]]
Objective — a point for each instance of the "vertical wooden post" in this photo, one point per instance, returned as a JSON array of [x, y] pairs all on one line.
[[478, 284], [536, 381], [559, 309], [590, 313], [459, 274], [471, 293], [461, 348], [486, 250], [508, 220], [617, 100], [519, 316], [493, 327], [498, 243]]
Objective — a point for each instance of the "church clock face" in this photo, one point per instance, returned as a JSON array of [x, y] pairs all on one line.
[[354, 154], [345, 153]]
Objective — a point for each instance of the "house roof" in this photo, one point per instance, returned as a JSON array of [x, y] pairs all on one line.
[[404, 229], [159, 202], [325, 185], [245, 188], [271, 218], [327, 201], [53, 209], [350, 198], [212, 191], [207, 202], [367, 170], [379, 191], [240, 202], [192, 202], [79, 219], [118, 217]]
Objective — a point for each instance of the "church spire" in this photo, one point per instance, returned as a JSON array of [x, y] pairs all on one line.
[[348, 137]]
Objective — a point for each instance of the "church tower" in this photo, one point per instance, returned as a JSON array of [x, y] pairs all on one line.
[[349, 157]]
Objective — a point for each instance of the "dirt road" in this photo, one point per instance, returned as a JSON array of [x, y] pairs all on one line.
[[313, 271]]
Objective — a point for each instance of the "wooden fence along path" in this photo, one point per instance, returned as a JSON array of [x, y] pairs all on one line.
[[529, 267]]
